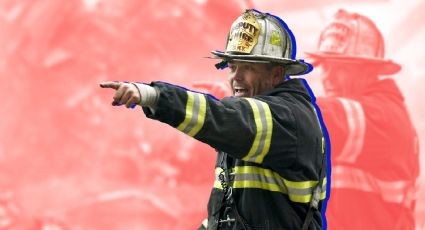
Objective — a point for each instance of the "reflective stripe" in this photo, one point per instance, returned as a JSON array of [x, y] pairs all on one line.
[[256, 177], [264, 128], [401, 191], [356, 130], [196, 107]]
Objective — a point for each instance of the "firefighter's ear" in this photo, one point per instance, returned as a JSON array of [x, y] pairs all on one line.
[[278, 75]]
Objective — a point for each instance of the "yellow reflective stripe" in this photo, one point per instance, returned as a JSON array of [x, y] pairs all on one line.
[[258, 184], [268, 139], [188, 114], [302, 184], [259, 128], [260, 178], [271, 173], [194, 115], [272, 188], [255, 170], [201, 116], [264, 127], [323, 194], [305, 198]]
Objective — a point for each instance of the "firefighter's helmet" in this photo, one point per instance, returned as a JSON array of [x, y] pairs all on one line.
[[353, 38], [263, 38]]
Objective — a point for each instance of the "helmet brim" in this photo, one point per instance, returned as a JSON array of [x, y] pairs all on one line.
[[292, 67], [385, 67]]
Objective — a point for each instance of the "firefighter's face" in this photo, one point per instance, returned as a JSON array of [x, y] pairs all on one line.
[[347, 79], [342, 80], [249, 79]]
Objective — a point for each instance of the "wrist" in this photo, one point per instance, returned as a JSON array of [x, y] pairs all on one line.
[[148, 95]]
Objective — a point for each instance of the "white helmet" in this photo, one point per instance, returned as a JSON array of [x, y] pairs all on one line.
[[264, 38], [353, 38]]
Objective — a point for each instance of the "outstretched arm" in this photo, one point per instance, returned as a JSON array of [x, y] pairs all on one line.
[[248, 128]]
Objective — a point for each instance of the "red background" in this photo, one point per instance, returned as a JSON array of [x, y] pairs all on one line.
[[67, 156]]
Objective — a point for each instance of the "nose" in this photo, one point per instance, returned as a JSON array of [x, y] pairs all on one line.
[[237, 74], [326, 72]]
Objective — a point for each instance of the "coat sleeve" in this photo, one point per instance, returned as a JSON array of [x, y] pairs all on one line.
[[246, 128], [346, 120]]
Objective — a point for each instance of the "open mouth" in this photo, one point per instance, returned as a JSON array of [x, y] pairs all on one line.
[[240, 91]]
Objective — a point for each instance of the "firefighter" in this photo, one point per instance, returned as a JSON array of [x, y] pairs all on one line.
[[271, 166], [374, 144]]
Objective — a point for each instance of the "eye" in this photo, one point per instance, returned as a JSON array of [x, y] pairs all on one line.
[[232, 68]]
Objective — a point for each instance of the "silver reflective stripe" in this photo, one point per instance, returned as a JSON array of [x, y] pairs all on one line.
[[356, 130], [264, 128], [272, 180], [266, 179], [264, 131], [399, 191], [194, 114]]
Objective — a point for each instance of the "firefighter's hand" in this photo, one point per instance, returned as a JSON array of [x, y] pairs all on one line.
[[126, 93], [218, 89]]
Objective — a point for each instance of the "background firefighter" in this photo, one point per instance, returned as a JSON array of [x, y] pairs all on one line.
[[270, 170], [374, 145]]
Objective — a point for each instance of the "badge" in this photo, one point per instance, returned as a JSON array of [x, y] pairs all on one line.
[[335, 38], [244, 34]]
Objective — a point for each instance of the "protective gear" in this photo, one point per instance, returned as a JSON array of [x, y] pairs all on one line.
[[126, 94], [375, 161], [353, 38], [262, 38], [148, 94], [267, 177]]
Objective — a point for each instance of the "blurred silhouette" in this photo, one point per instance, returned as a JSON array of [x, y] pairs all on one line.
[[374, 144]]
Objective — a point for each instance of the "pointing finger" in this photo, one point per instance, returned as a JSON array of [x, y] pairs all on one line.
[[110, 84]]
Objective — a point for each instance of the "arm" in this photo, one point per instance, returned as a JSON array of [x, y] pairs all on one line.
[[242, 127], [346, 122]]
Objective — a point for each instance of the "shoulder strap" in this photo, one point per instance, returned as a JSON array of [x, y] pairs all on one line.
[[314, 203]]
